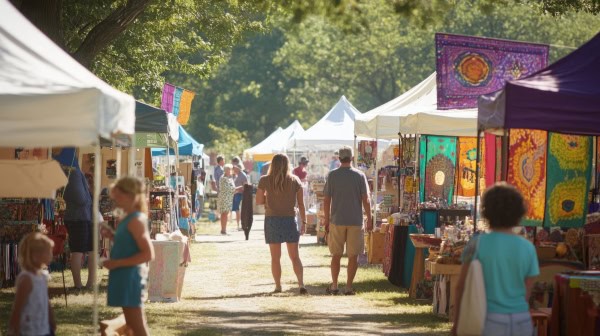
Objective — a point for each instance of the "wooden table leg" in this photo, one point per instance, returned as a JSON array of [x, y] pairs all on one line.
[[418, 272], [453, 285]]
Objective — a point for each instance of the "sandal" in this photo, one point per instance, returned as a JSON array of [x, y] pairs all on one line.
[[331, 291], [303, 291], [277, 290], [349, 292]]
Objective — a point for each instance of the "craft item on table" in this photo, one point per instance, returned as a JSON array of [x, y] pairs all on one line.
[[467, 158], [468, 67], [592, 251], [367, 153], [568, 179], [556, 235], [527, 171], [542, 235], [438, 161]]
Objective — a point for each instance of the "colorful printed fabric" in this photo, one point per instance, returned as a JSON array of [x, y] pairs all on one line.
[[569, 172], [467, 158], [438, 162], [185, 107], [490, 159], [468, 66], [527, 171], [177, 101]]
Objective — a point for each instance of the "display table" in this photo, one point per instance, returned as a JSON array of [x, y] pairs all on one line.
[[421, 242], [167, 271], [576, 304], [444, 295]]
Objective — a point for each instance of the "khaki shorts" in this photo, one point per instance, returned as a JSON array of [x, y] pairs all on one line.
[[352, 236]]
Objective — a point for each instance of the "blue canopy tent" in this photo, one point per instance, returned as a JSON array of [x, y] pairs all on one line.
[[186, 144]]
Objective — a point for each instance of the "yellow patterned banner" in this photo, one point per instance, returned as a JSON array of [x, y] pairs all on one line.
[[185, 107]]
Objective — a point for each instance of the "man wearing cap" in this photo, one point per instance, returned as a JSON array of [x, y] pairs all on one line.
[[346, 194], [300, 171], [240, 179]]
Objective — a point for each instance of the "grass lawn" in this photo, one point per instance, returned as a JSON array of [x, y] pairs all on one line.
[[227, 292]]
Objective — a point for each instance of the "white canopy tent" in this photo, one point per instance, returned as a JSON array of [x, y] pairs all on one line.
[[47, 99], [277, 141], [416, 112], [334, 130]]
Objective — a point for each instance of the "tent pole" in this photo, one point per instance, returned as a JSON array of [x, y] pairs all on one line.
[[119, 157], [132, 157], [417, 183], [399, 185], [96, 212], [355, 150], [477, 161]]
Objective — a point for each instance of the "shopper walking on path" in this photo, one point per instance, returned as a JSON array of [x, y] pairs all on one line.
[[279, 191], [346, 194], [225, 197], [32, 313], [240, 179], [508, 279], [131, 251], [218, 172]]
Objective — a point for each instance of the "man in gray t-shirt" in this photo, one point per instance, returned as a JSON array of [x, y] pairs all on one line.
[[240, 179], [346, 193]]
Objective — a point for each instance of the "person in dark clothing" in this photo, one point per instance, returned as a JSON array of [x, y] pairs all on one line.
[[78, 220]]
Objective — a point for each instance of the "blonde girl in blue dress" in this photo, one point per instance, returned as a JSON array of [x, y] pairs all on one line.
[[131, 251]]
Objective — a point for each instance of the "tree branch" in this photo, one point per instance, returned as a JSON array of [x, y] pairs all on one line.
[[45, 15], [108, 30]]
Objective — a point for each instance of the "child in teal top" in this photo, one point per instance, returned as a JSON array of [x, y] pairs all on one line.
[[509, 264], [131, 251]]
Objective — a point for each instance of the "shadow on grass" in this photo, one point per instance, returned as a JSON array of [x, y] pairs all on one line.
[[218, 322]]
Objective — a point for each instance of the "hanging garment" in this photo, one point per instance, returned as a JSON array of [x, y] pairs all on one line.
[[247, 211]]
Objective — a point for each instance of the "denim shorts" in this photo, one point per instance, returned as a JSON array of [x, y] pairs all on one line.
[[280, 229], [508, 324]]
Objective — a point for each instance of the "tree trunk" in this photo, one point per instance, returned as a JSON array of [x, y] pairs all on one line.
[[108, 30], [45, 15]]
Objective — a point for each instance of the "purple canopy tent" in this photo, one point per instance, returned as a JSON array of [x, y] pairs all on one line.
[[564, 97]]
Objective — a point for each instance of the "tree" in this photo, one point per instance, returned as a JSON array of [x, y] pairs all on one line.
[[228, 141], [132, 44]]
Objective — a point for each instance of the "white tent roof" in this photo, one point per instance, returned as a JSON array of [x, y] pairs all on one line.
[[335, 129], [267, 145], [415, 112], [277, 141], [49, 99]]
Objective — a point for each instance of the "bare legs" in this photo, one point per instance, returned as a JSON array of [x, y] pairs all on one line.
[[136, 320], [76, 261], [295, 258], [237, 218], [335, 270], [276, 263], [224, 216]]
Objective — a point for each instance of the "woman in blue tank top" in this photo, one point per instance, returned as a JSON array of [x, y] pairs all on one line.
[[131, 251]]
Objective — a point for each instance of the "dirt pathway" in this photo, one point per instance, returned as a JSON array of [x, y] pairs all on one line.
[[227, 291]]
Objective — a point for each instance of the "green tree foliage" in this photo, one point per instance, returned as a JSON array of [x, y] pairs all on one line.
[[228, 141], [132, 44]]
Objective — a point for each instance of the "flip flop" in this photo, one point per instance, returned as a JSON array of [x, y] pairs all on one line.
[[277, 290], [349, 292], [303, 291], [331, 291]]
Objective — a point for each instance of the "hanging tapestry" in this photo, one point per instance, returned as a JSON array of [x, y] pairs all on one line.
[[468, 66], [177, 101], [527, 171], [490, 159], [569, 172], [467, 158], [438, 161], [367, 153]]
